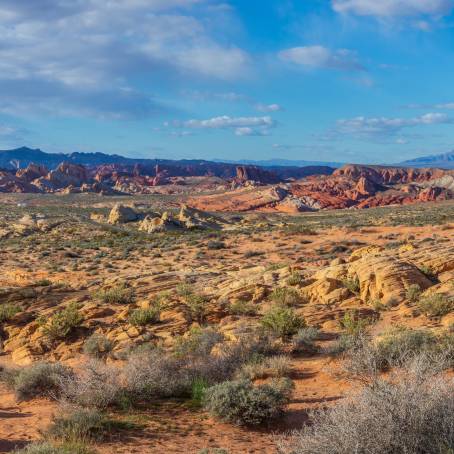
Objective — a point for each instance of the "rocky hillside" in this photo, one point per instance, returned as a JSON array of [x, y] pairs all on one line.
[[350, 186]]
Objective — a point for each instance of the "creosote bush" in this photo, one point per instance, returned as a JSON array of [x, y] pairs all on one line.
[[119, 294], [352, 284], [286, 296], [413, 293], [282, 322], [242, 403], [143, 317], [436, 305], [61, 323]]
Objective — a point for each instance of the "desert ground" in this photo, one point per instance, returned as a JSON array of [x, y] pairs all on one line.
[[99, 285]]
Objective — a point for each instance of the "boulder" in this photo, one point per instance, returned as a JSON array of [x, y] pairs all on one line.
[[121, 214]]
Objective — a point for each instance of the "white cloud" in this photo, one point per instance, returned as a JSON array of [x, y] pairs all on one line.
[[393, 8], [268, 107], [80, 57], [322, 57], [242, 126], [247, 131], [225, 121], [381, 126]]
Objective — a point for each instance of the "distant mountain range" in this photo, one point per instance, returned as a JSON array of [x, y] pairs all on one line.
[[21, 157], [443, 161], [282, 163]]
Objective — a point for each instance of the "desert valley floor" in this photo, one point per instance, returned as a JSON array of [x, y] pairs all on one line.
[[336, 272]]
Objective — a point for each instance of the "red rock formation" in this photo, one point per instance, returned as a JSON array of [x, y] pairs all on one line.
[[32, 172]]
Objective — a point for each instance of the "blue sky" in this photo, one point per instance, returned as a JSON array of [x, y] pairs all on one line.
[[332, 80]]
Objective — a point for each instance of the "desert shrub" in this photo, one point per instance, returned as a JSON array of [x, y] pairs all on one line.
[[215, 245], [410, 414], [198, 389], [413, 293], [394, 349], [119, 294], [143, 317], [353, 324], [304, 340], [96, 386], [61, 323], [47, 448], [295, 279], [98, 346], [8, 311], [184, 289], [286, 296], [428, 272], [196, 305], [43, 283], [213, 451], [153, 374], [81, 424], [40, 380], [282, 322], [278, 366], [436, 305], [352, 284], [240, 402], [241, 307], [198, 342]]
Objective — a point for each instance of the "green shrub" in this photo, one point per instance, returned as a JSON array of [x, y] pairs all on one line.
[[352, 324], [197, 307], [120, 294], [40, 380], [282, 322], [240, 402], [197, 342], [198, 390], [413, 293], [352, 284], [43, 283], [428, 272], [61, 323], [8, 311], [98, 346], [295, 279], [143, 317], [241, 307], [286, 296], [436, 305]]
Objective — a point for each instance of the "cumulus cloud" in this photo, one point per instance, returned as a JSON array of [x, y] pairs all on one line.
[[364, 127], [322, 57], [242, 126], [394, 8], [85, 53]]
